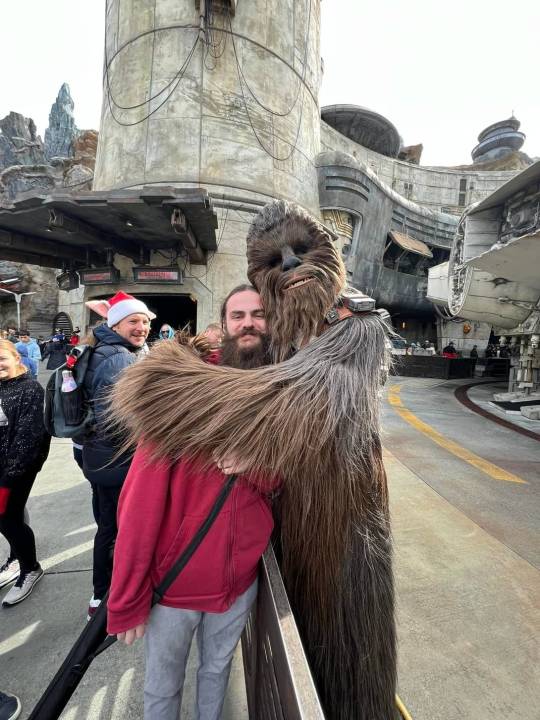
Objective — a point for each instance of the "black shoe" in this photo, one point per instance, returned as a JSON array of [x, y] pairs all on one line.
[[10, 706]]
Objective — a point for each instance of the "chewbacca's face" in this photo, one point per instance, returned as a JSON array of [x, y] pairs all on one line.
[[299, 275]]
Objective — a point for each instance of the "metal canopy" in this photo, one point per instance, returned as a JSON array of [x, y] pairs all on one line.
[[406, 242], [83, 229], [364, 126]]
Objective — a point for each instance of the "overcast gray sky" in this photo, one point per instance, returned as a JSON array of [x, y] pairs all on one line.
[[440, 71]]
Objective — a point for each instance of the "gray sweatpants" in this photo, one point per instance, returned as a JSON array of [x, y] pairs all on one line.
[[167, 642]]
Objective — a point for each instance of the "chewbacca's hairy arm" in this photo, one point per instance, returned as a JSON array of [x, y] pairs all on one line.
[[274, 418], [184, 406]]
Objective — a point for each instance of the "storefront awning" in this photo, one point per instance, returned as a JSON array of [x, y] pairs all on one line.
[[83, 229], [406, 242]]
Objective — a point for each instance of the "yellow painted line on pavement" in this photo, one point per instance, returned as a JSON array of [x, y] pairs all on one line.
[[493, 471]]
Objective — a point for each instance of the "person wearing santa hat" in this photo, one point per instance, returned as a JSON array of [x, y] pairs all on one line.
[[118, 343]]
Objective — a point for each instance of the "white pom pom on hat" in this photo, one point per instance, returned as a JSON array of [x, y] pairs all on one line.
[[119, 307]]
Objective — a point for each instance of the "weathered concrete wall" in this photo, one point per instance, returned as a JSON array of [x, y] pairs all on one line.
[[211, 132], [203, 132], [436, 188]]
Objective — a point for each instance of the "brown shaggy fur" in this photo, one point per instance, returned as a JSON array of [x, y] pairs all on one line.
[[313, 420]]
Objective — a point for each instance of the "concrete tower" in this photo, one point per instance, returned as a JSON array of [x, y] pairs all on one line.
[[217, 94]]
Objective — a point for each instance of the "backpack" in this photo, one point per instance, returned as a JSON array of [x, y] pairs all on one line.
[[68, 414]]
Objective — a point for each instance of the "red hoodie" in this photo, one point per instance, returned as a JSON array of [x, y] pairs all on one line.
[[160, 509]]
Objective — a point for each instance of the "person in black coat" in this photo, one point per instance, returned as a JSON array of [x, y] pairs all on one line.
[[118, 343], [55, 350], [24, 446]]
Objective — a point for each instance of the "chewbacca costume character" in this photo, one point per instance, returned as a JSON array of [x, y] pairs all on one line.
[[312, 418]]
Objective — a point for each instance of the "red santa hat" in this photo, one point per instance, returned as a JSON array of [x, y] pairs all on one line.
[[119, 307]]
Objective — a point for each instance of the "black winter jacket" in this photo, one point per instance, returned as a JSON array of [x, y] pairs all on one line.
[[56, 352], [24, 442], [112, 354]]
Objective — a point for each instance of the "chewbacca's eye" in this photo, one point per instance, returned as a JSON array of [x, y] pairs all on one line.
[[274, 261], [300, 248]]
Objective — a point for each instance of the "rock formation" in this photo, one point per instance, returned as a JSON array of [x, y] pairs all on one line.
[[19, 143], [61, 133], [411, 153], [85, 148], [66, 160]]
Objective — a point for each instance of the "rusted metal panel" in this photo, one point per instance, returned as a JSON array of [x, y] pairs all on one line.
[[278, 679]]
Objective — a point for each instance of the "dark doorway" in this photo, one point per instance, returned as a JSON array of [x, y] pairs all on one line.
[[63, 321], [178, 311], [415, 329]]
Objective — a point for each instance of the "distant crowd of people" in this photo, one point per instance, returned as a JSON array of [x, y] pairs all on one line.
[[427, 347], [32, 350]]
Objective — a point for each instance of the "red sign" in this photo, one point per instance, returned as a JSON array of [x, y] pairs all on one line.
[[158, 275], [99, 276]]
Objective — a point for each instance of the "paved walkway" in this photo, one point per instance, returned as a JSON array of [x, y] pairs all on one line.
[[468, 620], [465, 496]]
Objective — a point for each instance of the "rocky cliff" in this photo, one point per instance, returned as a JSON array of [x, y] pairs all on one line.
[[65, 160], [19, 142], [61, 133]]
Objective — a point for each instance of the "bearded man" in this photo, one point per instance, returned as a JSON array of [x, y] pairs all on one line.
[[313, 420], [245, 341], [161, 507]]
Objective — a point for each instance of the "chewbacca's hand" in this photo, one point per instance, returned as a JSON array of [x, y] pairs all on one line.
[[231, 466]]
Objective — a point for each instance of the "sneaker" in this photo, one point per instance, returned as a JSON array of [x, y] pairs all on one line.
[[9, 572], [92, 608], [10, 706], [23, 587]]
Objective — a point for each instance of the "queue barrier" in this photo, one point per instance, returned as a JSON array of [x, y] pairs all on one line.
[[279, 683]]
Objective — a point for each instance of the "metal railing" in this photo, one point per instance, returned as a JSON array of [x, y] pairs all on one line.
[[278, 679], [279, 684]]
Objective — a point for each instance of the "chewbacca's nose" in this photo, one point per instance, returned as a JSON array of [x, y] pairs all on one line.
[[290, 262]]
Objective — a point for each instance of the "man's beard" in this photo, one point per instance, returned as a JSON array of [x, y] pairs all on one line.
[[245, 358]]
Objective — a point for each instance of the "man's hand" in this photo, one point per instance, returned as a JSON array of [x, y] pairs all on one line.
[[130, 636], [230, 465]]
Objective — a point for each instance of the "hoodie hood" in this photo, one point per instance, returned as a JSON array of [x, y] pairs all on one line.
[[169, 335]]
